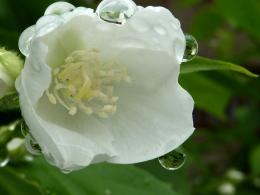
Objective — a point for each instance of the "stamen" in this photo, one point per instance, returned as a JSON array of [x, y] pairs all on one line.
[[114, 99], [84, 83], [103, 115], [73, 110], [51, 97]]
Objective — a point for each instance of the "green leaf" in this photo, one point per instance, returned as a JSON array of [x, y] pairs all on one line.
[[177, 179], [208, 94], [205, 64], [205, 23], [241, 14], [99, 179], [255, 160], [13, 184], [9, 102]]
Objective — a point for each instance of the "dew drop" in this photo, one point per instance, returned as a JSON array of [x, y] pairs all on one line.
[[66, 171], [115, 11], [47, 24], [173, 160], [31, 145], [4, 158], [191, 49], [59, 8], [25, 40]]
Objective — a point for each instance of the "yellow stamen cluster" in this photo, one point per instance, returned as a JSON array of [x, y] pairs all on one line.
[[85, 83]]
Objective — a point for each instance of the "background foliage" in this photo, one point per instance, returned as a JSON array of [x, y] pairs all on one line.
[[227, 114]]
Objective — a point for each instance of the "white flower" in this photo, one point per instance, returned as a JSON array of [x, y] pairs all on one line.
[[10, 68], [94, 91]]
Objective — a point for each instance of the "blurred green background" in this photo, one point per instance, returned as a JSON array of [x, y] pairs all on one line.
[[227, 114]]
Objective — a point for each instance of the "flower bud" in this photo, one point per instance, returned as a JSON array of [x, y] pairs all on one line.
[[10, 67]]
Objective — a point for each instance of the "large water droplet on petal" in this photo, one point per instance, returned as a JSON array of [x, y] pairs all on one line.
[[47, 24], [192, 48], [173, 160], [4, 158], [31, 145], [59, 8], [25, 40], [115, 11]]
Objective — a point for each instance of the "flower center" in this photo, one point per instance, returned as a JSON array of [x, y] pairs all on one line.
[[85, 83]]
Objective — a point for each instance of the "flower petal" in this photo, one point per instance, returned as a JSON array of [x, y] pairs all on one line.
[[82, 142], [155, 40], [148, 127], [75, 128]]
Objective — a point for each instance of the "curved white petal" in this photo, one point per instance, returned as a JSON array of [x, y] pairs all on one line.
[[89, 129], [72, 145], [146, 127], [147, 42]]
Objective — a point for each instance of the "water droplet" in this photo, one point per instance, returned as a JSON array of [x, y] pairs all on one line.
[[31, 145], [173, 160], [115, 11], [59, 8], [4, 158], [192, 48], [66, 171], [47, 24], [25, 40], [24, 128]]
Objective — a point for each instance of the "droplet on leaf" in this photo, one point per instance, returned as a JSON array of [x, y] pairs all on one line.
[[31, 145], [115, 11], [173, 160], [191, 49], [25, 40], [59, 8]]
